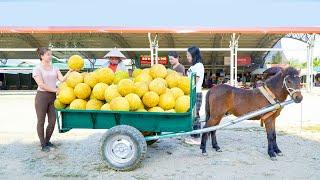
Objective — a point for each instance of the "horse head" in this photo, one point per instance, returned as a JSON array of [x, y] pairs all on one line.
[[291, 83]]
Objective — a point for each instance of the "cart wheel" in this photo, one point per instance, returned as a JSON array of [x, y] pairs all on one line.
[[123, 148], [147, 133]]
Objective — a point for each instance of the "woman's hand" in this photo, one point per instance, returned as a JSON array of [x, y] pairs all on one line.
[[57, 92]]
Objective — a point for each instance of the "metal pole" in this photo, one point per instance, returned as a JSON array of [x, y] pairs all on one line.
[[151, 48], [308, 68], [156, 46], [236, 62], [311, 62], [235, 121], [231, 62]]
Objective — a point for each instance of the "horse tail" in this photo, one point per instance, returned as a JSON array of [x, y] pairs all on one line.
[[207, 106]]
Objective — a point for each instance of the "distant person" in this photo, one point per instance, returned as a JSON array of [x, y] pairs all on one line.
[[115, 62], [174, 61], [46, 77]]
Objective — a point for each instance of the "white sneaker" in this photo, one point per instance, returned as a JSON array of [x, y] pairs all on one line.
[[192, 141]]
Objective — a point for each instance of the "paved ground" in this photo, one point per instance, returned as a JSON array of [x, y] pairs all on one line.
[[244, 148]]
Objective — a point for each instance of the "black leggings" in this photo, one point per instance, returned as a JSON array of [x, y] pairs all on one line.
[[44, 104]]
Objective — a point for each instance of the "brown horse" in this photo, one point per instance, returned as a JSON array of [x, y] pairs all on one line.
[[224, 99]]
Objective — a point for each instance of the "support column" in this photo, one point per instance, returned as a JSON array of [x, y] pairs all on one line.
[[153, 49], [233, 59], [310, 48]]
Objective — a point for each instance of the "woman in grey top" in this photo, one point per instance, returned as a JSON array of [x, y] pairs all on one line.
[[174, 61]]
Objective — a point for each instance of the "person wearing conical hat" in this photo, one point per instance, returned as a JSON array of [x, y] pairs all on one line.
[[115, 62]]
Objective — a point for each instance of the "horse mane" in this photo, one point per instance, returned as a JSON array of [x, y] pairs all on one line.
[[272, 71], [281, 73], [291, 71], [275, 77]]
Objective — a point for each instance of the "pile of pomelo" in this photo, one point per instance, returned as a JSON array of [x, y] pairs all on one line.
[[154, 89]]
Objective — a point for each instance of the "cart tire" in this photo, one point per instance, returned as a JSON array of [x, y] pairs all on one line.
[[123, 148], [147, 133]]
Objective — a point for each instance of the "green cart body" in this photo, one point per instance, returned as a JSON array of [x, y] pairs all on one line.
[[68, 119]]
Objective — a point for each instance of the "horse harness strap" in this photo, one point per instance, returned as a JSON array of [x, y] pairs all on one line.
[[267, 93]]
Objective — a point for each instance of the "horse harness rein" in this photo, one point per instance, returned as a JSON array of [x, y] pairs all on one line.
[[291, 91]]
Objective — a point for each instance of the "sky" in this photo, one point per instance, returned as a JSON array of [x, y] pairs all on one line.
[[161, 13]]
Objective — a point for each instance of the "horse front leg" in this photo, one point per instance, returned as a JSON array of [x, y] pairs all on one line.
[[270, 136], [275, 145], [214, 141]]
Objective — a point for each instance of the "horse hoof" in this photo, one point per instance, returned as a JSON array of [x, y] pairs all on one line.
[[280, 154], [273, 158], [204, 154]]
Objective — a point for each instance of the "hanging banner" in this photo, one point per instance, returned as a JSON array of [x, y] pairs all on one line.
[[145, 59], [243, 60]]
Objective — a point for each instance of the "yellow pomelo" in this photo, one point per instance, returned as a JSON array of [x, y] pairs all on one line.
[[58, 104], [105, 75], [98, 91], [119, 104], [91, 79], [143, 77], [125, 87], [134, 101], [75, 62], [182, 104], [78, 104], [156, 109], [172, 80], [111, 93], [119, 75], [74, 78], [158, 71], [150, 99], [177, 92], [136, 72], [158, 86], [184, 85], [167, 101], [94, 104], [106, 107], [82, 91], [66, 95], [140, 88]]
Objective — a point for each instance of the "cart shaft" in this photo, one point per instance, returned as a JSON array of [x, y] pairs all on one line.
[[235, 121]]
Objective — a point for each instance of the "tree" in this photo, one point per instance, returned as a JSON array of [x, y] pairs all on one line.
[[277, 58], [316, 62]]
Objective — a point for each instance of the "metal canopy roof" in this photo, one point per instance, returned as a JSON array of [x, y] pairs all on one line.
[[109, 37]]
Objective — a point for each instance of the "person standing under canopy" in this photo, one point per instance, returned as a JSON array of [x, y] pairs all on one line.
[[115, 60]]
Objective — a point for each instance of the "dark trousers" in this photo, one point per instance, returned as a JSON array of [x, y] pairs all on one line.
[[44, 104], [197, 124]]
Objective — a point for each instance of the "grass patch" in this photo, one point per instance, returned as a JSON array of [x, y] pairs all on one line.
[[313, 128], [102, 168], [64, 175]]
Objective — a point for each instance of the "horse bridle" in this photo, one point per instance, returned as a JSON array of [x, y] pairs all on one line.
[[291, 91]]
